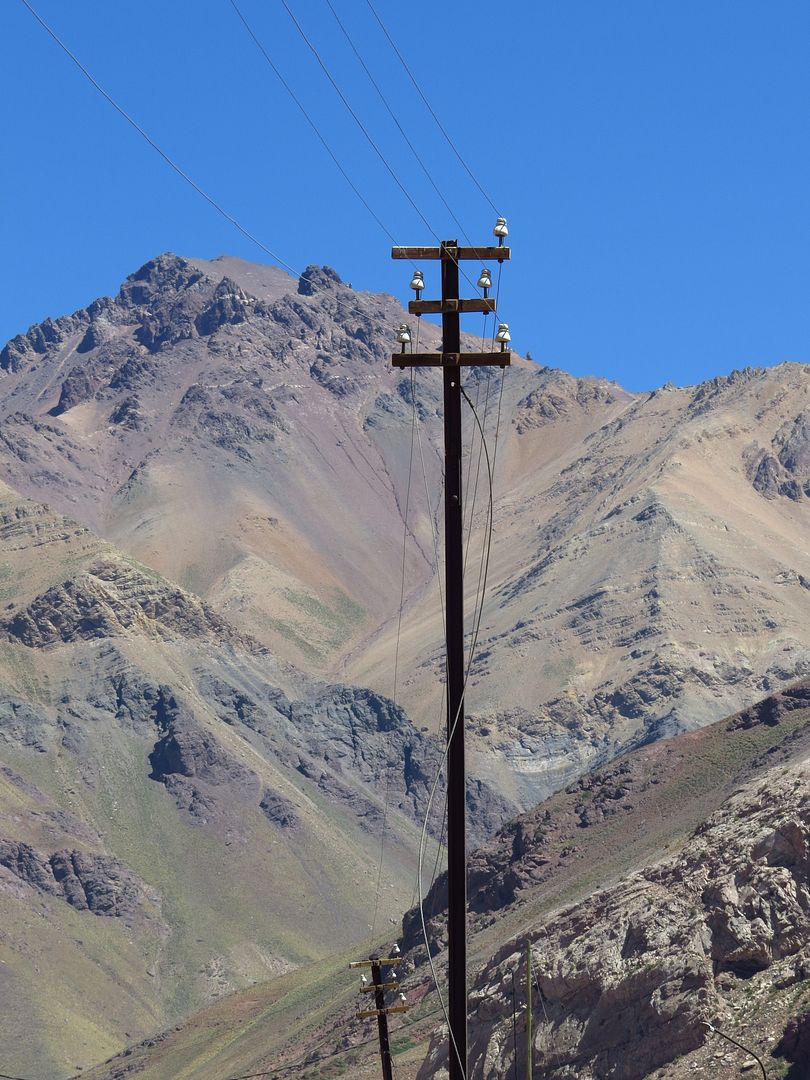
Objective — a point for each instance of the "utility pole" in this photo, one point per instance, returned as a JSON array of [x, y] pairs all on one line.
[[452, 359], [378, 987]]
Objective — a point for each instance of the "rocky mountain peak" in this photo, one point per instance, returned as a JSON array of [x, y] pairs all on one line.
[[165, 275], [315, 278]]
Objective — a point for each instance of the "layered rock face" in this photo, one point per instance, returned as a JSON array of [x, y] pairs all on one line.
[[625, 980]]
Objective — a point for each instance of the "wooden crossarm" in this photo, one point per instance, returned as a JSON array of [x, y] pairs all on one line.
[[378, 1012], [370, 963], [457, 254], [372, 987], [452, 359], [451, 307]]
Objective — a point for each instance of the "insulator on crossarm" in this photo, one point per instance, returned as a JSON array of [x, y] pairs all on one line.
[[403, 335], [500, 230], [485, 281], [418, 283], [503, 337]]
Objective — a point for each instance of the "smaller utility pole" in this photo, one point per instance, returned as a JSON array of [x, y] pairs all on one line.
[[378, 987]]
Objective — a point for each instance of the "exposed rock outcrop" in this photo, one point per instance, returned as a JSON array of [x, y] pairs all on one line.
[[192, 765], [111, 599], [90, 882]]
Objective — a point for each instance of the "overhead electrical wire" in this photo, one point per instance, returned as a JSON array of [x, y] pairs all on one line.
[[452, 728], [177, 168], [310, 121], [281, 262], [364, 129], [214, 203], [357, 119], [430, 108], [144, 135], [325, 1057], [396, 120], [396, 650]]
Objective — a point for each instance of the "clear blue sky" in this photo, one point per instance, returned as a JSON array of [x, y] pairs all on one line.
[[652, 158]]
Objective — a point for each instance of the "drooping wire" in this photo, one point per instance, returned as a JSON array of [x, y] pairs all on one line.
[[144, 135], [357, 119], [310, 121], [497, 429], [394, 117], [430, 107], [514, 1025], [468, 525], [173, 164], [395, 697], [540, 994], [435, 541], [451, 733]]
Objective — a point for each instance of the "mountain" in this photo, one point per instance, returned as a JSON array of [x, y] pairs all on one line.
[[665, 891], [649, 572], [181, 814], [207, 480]]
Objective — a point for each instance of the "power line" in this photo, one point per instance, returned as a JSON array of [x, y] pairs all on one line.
[[144, 135], [310, 121], [180, 171], [396, 649], [190, 180], [430, 108], [393, 116], [324, 1057], [357, 119]]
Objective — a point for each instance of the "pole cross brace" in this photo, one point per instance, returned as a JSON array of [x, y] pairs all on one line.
[[451, 307]]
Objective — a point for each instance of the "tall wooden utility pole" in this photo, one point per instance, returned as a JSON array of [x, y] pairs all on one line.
[[452, 359]]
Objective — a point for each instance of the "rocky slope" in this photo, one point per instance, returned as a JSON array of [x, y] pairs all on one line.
[[180, 813], [668, 890], [626, 977], [198, 616], [649, 571]]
